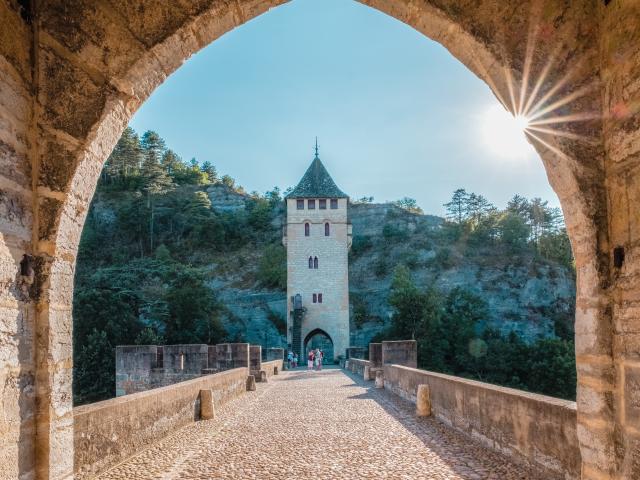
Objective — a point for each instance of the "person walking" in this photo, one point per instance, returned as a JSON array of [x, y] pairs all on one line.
[[310, 360], [321, 360], [290, 360], [317, 358], [295, 360]]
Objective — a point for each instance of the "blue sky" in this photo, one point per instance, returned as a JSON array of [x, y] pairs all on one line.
[[395, 114]]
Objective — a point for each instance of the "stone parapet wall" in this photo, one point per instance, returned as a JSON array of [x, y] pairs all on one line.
[[400, 352], [357, 365], [270, 367], [533, 429], [105, 433]]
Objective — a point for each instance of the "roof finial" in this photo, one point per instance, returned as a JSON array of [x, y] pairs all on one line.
[[316, 147]]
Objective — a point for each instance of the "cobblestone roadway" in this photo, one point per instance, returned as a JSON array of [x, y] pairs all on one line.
[[318, 425]]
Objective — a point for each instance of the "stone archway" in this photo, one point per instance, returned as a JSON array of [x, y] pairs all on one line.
[[74, 72], [318, 338]]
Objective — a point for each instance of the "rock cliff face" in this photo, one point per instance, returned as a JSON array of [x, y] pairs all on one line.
[[524, 292]]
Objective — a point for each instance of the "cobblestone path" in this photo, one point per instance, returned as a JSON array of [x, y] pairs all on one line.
[[317, 425]]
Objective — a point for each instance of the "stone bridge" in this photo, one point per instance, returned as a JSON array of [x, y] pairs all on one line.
[[333, 423], [73, 73]]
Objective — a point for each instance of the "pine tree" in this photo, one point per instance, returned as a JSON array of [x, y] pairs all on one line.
[[208, 168], [156, 182], [457, 207]]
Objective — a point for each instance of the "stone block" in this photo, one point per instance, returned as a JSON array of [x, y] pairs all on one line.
[[375, 355], [232, 355], [255, 357], [423, 401], [379, 379], [207, 409], [251, 383], [185, 359], [400, 352], [367, 370]]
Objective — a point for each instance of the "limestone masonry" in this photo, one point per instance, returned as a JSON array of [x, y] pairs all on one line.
[[318, 237]]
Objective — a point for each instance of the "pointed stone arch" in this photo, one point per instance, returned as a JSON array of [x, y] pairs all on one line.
[[77, 71]]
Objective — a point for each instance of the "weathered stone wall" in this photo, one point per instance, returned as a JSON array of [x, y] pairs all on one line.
[[375, 354], [400, 352], [331, 278], [73, 73], [255, 357], [271, 366], [133, 368], [232, 355], [357, 365], [105, 433], [533, 429], [17, 292]]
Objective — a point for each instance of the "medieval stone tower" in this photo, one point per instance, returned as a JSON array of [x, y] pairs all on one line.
[[318, 237]]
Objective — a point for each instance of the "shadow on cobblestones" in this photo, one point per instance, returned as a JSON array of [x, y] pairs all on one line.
[[468, 458]]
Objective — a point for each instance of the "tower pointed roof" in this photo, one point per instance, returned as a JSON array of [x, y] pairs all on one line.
[[316, 182]]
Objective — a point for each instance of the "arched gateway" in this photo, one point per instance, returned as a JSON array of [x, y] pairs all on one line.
[[72, 74], [318, 338]]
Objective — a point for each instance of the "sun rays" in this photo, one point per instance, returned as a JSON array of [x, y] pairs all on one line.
[[538, 107]]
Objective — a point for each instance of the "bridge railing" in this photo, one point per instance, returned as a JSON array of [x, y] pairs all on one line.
[[108, 432], [535, 430]]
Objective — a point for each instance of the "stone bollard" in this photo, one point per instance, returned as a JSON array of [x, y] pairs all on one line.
[[366, 375], [379, 379], [423, 401], [275, 370], [262, 376], [251, 383], [207, 410]]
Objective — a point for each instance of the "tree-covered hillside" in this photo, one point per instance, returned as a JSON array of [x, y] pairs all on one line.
[[172, 252]]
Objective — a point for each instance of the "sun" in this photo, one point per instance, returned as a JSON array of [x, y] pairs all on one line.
[[504, 134]]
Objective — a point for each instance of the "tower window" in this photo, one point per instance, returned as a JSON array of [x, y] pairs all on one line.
[[310, 262], [322, 204], [315, 298], [319, 298], [311, 204], [327, 229], [307, 229], [315, 263], [334, 203], [300, 204]]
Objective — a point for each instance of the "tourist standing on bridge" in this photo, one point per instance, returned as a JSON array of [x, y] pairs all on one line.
[[290, 360], [295, 360], [310, 360]]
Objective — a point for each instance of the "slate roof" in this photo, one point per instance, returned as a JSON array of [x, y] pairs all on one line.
[[317, 183]]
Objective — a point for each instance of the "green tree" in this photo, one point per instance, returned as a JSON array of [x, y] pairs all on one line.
[[514, 231], [458, 207], [210, 170], [272, 268], [93, 373]]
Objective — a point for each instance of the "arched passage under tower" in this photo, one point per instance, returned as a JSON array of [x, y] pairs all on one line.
[[318, 338]]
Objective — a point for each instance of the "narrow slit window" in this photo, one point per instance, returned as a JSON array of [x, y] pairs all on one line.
[[334, 203], [319, 298], [311, 204], [315, 298], [322, 204], [300, 204], [307, 229], [315, 263], [310, 262], [327, 229]]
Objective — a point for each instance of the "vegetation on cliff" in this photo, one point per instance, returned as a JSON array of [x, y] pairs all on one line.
[[170, 248]]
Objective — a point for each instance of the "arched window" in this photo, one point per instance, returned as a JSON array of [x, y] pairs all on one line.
[[310, 262], [315, 262], [327, 229], [306, 229]]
